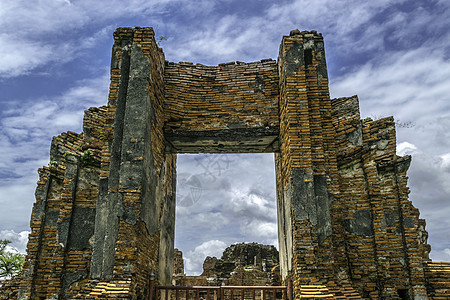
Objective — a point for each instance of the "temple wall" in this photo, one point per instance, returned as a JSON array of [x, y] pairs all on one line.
[[232, 107], [437, 276], [377, 226]]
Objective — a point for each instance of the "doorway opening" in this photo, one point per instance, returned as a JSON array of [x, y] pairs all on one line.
[[221, 200]]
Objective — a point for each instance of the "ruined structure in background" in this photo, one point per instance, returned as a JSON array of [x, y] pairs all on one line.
[[104, 215], [240, 265]]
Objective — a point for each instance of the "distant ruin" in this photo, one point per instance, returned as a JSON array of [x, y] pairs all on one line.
[[104, 216], [245, 264]]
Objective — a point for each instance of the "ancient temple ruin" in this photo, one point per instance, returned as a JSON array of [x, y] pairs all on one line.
[[104, 215], [242, 264]]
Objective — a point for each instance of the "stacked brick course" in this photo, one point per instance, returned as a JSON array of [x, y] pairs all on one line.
[[438, 279], [202, 97], [104, 215]]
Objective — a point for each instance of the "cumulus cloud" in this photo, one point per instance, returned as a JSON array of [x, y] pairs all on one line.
[[406, 148], [16, 200], [441, 255], [18, 240], [259, 230], [430, 190], [247, 205], [194, 258], [41, 32]]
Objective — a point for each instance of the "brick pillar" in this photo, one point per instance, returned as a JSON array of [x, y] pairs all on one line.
[[136, 206], [306, 165]]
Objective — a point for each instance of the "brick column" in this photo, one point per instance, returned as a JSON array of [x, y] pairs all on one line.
[[136, 209], [306, 165]]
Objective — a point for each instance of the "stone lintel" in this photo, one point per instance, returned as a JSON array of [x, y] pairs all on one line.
[[239, 140]]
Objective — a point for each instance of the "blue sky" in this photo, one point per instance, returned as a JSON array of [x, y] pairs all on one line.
[[393, 54]]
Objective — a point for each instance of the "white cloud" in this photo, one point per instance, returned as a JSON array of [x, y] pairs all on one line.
[[446, 161], [23, 54], [208, 34], [430, 190], [36, 33], [50, 16], [47, 116], [399, 79], [194, 259], [260, 230], [369, 27], [250, 206], [406, 148], [16, 200], [18, 240]]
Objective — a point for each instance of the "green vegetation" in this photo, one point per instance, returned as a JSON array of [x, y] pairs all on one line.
[[53, 163], [10, 263], [101, 135], [160, 39], [368, 119], [87, 157]]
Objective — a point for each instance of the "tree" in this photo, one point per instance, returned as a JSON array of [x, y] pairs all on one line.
[[10, 262]]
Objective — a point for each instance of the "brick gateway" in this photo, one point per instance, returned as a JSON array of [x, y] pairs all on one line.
[[104, 215]]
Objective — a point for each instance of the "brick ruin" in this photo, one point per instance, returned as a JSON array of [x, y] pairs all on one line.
[[104, 215], [245, 264]]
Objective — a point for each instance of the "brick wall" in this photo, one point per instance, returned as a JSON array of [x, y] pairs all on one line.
[[232, 107], [438, 279], [377, 226], [141, 176], [199, 97]]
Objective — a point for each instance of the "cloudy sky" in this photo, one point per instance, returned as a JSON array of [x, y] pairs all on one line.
[[393, 54]]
